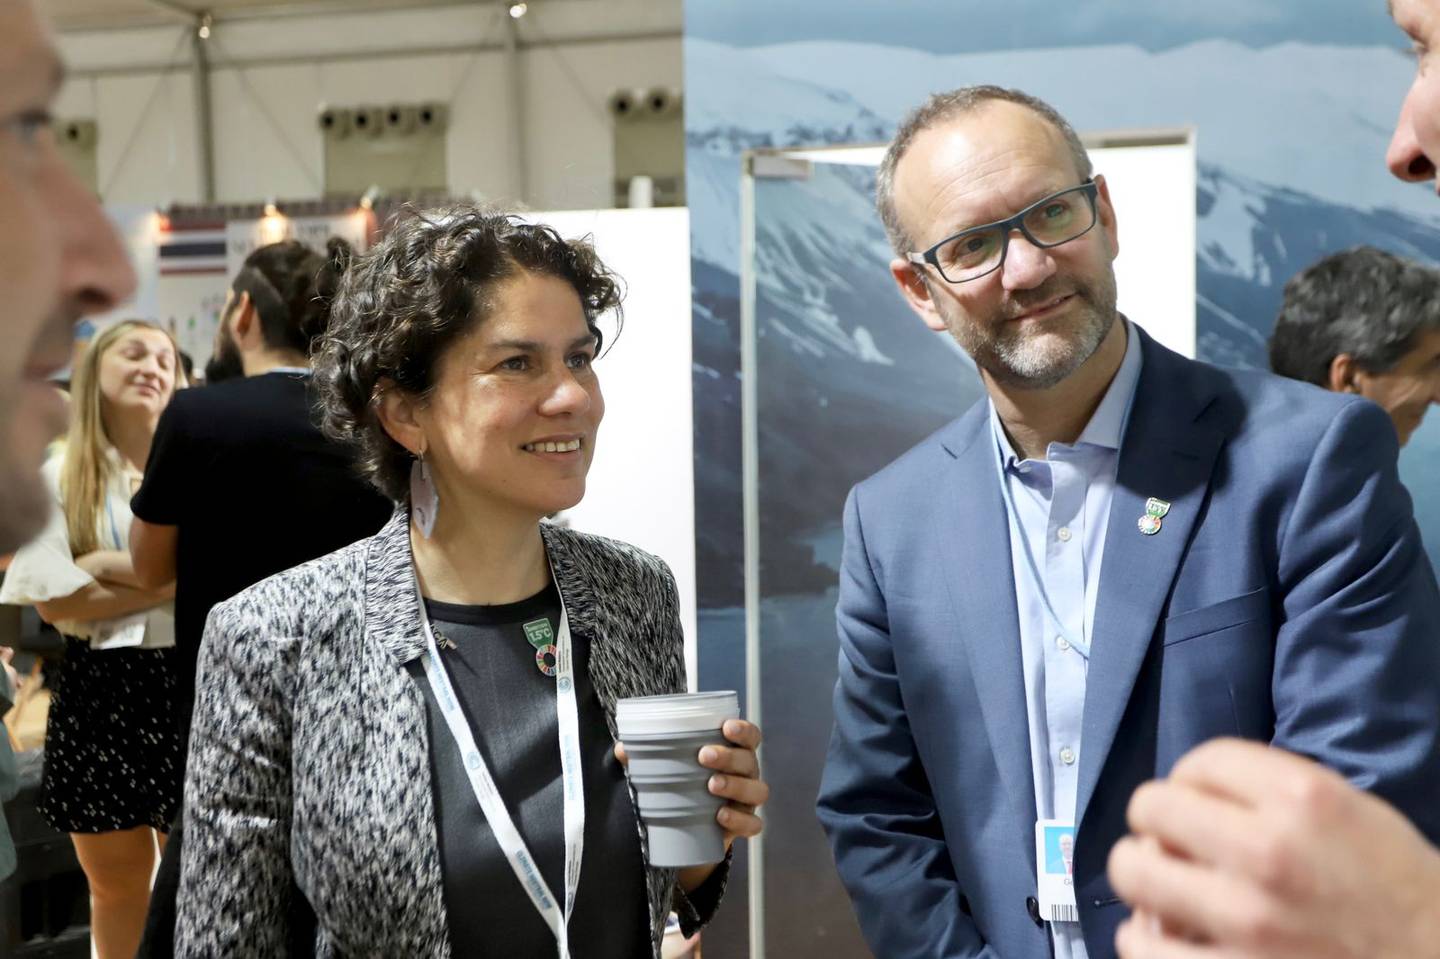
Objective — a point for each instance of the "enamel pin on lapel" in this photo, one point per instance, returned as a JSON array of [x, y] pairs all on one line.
[[1155, 510]]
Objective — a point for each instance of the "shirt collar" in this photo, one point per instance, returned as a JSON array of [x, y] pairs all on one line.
[[1107, 425]]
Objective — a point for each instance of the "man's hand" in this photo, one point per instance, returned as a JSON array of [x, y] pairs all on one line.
[[1249, 852]]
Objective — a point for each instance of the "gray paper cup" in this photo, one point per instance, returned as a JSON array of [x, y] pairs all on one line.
[[663, 736]]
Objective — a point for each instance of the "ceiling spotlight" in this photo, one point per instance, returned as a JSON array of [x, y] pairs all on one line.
[[271, 209], [367, 201], [205, 23], [518, 10]]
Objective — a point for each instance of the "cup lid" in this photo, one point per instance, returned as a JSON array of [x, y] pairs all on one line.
[[677, 713]]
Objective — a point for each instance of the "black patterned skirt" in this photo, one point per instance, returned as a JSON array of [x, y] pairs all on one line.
[[113, 757]]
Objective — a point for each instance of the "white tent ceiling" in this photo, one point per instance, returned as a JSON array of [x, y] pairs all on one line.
[[113, 14]]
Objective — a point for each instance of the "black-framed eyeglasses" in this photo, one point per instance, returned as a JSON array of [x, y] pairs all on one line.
[[1049, 221]]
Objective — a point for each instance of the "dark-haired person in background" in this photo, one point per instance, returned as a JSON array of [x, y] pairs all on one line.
[[1368, 322], [324, 754], [241, 483], [187, 365]]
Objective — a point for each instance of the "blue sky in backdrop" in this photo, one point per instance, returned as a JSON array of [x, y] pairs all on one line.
[[962, 26]]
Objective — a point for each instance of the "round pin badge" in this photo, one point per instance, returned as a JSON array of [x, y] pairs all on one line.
[[1150, 525], [547, 659]]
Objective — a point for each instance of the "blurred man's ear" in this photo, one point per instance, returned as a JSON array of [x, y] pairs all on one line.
[[1343, 371]]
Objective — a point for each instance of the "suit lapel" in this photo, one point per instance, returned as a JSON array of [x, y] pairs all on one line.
[[983, 597], [1168, 454]]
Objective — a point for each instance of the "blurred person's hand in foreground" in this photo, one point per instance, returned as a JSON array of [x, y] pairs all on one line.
[[1249, 852]]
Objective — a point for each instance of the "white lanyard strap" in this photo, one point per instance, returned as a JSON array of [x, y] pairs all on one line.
[[522, 863]]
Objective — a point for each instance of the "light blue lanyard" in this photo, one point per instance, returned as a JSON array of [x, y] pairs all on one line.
[[114, 527], [1012, 514]]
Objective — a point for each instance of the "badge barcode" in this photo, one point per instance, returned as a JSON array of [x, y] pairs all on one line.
[[1062, 913]]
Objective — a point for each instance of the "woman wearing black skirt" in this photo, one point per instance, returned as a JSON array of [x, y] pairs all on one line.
[[112, 749]]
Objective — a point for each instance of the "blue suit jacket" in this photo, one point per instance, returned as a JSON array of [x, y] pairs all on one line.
[[1286, 598]]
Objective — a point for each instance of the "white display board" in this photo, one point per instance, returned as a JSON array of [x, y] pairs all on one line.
[[1152, 186], [1153, 190], [641, 487]]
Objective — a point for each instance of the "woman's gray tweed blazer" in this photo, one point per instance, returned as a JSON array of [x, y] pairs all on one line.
[[310, 760]]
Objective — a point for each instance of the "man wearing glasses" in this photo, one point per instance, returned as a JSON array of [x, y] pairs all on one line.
[[1120, 554]]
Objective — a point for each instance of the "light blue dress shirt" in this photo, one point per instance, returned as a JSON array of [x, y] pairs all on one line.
[[1059, 508]]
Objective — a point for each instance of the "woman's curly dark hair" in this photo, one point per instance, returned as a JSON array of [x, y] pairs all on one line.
[[426, 284]]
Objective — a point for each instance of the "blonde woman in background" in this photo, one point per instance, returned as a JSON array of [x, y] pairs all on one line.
[[112, 771]]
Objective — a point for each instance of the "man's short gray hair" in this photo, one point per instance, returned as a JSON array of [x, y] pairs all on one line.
[[1365, 302], [946, 106]]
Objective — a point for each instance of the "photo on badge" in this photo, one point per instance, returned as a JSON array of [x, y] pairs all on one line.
[[1059, 850]]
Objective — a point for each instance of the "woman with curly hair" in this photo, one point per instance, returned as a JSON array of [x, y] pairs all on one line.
[[112, 752], [337, 699]]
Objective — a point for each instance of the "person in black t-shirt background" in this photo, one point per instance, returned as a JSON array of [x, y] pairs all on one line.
[[241, 483]]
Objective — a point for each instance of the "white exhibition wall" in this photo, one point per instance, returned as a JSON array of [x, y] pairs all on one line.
[[641, 488], [1153, 190]]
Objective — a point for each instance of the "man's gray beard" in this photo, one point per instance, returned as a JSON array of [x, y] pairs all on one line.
[[1014, 359], [1021, 362]]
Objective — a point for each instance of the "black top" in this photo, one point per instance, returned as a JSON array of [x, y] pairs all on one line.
[[510, 705], [255, 488]]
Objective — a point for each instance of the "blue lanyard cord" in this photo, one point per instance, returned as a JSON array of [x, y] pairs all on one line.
[[114, 527], [1012, 514]]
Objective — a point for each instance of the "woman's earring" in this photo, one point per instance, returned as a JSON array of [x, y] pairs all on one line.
[[424, 498]]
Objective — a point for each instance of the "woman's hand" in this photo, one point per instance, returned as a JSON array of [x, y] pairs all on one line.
[[109, 565], [737, 780], [113, 567]]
